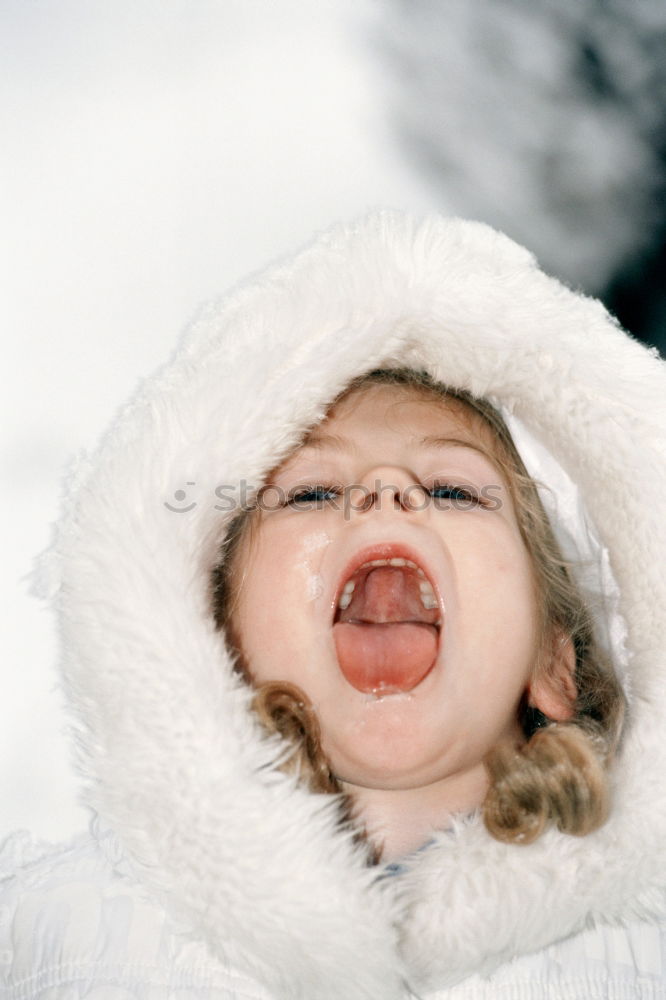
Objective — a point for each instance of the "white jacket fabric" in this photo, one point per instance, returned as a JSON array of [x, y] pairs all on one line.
[[208, 872]]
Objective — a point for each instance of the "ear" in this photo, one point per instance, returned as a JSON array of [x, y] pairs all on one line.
[[553, 691]]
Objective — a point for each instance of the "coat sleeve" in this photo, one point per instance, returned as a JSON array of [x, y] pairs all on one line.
[[73, 929]]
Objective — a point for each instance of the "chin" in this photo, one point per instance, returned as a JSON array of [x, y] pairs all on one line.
[[387, 766]]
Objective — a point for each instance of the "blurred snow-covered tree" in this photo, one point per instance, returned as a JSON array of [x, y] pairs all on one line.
[[548, 120]]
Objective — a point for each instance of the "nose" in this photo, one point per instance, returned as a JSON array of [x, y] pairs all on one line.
[[388, 487]]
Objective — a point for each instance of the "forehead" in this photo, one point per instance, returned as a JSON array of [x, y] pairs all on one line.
[[404, 410]]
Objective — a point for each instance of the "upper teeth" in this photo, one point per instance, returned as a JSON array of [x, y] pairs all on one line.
[[428, 598]]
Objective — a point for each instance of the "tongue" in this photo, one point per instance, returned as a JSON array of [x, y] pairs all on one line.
[[387, 657], [386, 640]]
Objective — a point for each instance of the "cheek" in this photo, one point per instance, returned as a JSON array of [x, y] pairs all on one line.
[[262, 620], [497, 595], [279, 583]]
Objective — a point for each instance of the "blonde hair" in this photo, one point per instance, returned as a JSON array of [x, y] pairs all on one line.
[[559, 776]]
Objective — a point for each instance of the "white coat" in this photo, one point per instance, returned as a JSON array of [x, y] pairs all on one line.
[[207, 872]]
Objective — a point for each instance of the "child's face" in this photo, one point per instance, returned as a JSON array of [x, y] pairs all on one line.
[[408, 690]]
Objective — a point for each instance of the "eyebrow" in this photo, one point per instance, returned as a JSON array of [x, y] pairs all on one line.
[[334, 441], [433, 441]]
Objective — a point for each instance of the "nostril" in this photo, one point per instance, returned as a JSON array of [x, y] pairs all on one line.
[[407, 498], [367, 502]]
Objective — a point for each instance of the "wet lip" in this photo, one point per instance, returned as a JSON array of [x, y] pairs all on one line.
[[383, 550]]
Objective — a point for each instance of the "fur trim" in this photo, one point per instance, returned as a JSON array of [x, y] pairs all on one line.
[[174, 761]]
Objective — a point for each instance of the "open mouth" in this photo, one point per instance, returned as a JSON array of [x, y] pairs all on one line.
[[387, 624]]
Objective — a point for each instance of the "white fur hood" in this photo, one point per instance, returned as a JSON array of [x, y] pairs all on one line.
[[175, 763]]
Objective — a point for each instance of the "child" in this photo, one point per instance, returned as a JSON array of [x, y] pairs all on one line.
[[428, 610], [353, 597]]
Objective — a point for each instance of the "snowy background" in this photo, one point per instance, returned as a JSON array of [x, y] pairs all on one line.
[[155, 151]]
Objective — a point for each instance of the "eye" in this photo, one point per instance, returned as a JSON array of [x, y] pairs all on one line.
[[459, 497], [312, 497]]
